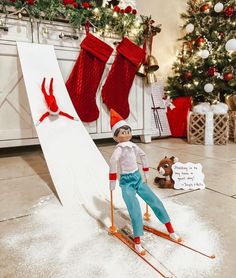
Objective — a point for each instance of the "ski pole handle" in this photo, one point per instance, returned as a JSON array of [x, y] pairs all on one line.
[[112, 229]]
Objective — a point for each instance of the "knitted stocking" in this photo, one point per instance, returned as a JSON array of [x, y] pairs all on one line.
[[116, 89], [85, 77]]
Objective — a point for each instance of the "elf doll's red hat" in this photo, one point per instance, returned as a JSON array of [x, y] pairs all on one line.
[[116, 121]]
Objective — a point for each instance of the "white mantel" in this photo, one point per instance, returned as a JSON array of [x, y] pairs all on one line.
[[16, 126]]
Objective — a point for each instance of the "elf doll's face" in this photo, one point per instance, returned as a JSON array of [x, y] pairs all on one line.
[[124, 135]]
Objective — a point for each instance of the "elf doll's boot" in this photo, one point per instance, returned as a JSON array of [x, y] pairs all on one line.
[[138, 247], [172, 233]]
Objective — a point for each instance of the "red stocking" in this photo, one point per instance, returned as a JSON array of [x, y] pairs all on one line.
[[116, 89], [86, 75]]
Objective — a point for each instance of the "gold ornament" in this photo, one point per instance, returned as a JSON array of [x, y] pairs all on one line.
[[152, 64], [151, 78], [141, 71]]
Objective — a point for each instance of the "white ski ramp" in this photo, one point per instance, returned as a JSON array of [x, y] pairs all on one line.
[[77, 168]]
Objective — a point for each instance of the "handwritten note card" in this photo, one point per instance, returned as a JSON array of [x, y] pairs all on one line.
[[188, 176]]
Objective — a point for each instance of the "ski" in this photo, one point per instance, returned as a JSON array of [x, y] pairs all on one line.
[[166, 236], [128, 233], [147, 259]]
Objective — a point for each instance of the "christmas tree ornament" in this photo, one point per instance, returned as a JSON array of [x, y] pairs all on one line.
[[231, 45], [208, 88], [228, 76], [188, 75], [115, 91], [189, 28], [151, 78], [229, 11], [85, 77], [218, 7], [205, 8], [152, 64], [212, 71], [141, 71], [200, 41], [221, 35], [204, 54]]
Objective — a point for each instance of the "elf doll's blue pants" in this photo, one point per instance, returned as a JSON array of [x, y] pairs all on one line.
[[130, 185]]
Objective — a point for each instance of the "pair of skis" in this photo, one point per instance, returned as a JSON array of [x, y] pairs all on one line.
[[147, 258], [126, 238]]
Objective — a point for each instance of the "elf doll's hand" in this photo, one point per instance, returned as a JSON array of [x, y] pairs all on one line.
[[112, 185]]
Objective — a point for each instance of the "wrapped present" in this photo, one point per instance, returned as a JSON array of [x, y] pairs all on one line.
[[208, 125], [232, 125]]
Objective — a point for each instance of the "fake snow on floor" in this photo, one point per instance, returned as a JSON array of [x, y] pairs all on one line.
[[55, 243]]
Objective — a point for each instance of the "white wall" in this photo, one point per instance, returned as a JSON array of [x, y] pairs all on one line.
[[165, 44]]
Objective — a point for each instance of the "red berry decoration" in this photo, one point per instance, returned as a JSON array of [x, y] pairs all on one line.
[[212, 71], [85, 5], [228, 76], [188, 75], [116, 9], [67, 2], [75, 4], [30, 2], [200, 41], [221, 35], [134, 11], [128, 9], [205, 8], [229, 11]]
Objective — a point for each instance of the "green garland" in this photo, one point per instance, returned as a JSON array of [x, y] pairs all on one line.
[[121, 22]]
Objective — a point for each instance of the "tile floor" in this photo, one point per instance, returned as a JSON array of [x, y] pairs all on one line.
[[31, 247]]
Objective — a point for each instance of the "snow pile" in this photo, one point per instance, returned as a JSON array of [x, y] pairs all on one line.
[[53, 242]]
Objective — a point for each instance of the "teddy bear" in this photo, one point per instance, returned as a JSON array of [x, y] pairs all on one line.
[[164, 169]]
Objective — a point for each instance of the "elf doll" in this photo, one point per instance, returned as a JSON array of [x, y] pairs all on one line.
[[125, 155]]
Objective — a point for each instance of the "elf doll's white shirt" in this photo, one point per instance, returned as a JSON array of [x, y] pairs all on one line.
[[125, 155]]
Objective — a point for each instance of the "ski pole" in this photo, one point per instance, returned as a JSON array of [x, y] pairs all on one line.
[[147, 214], [112, 229]]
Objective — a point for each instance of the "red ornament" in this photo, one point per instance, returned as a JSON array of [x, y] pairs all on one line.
[[228, 76], [205, 8], [221, 35], [30, 2], [116, 9], [75, 4], [134, 11], [122, 11], [188, 75], [200, 41], [86, 5], [68, 2], [212, 71], [128, 9], [229, 11]]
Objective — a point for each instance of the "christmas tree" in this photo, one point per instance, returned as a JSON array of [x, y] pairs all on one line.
[[206, 65]]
